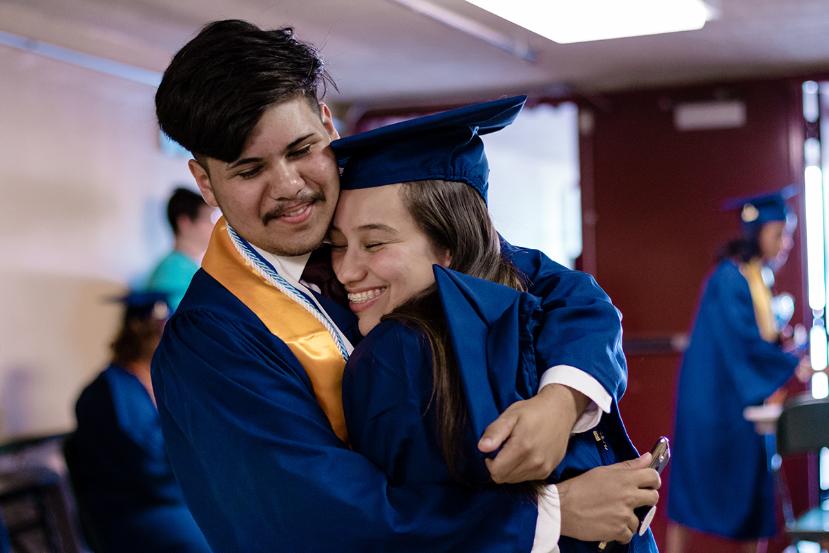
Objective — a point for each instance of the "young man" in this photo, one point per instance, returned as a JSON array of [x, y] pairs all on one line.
[[248, 374], [190, 220]]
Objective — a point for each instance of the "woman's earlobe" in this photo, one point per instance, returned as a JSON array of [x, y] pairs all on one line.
[[447, 259]]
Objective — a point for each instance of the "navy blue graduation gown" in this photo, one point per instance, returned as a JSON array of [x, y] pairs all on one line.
[[4, 537], [493, 332], [720, 482], [128, 497], [261, 467]]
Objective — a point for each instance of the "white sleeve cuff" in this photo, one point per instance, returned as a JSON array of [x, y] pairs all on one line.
[[548, 524], [580, 381]]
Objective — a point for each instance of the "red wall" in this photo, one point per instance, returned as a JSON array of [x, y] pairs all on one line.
[[651, 199]]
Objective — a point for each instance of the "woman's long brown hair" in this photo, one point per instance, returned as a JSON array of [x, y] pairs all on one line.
[[455, 219]]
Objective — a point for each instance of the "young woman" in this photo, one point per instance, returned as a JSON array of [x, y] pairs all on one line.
[[720, 482], [128, 498], [450, 336]]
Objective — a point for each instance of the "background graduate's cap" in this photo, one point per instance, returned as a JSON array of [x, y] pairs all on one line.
[[763, 208], [442, 146], [144, 304]]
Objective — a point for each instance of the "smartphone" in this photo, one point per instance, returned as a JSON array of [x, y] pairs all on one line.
[[661, 455]]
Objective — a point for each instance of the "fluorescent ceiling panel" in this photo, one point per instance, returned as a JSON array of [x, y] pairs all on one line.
[[567, 21]]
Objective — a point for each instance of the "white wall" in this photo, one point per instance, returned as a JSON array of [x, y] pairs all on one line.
[[83, 186], [534, 193]]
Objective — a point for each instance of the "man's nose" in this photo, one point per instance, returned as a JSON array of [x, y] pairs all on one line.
[[286, 182]]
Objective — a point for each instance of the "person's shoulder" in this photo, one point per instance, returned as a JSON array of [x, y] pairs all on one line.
[[162, 267], [727, 266], [393, 346], [393, 334], [206, 297], [103, 400], [96, 392], [214, 334], [519, 255], [727, 273], [540, 272], [173, 269]]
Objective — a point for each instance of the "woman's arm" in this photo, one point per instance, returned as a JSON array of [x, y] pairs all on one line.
[[598, 504]]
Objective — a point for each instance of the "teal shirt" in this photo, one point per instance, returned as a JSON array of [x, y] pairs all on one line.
[[173, 275]]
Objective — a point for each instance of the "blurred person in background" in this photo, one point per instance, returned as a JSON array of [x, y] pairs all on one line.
[[720, 480], [4, 537], [191, 221], [128, 499]]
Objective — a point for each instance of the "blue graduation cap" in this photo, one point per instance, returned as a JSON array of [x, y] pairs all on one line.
[[490, 329], [444, 146], [144, 304], [763, 208]]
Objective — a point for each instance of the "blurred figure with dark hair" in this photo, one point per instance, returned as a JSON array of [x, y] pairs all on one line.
[[190, 219], [128, 499], [720, 481]]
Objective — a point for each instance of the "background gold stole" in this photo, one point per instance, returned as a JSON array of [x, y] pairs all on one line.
[[761, 298], [304, 335]]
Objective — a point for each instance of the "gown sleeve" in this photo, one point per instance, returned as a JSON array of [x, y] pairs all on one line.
[[580, 328], [757, 367], [260, 466]]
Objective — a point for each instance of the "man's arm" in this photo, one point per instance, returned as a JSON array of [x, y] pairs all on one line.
[[259, 464], [580, 347]]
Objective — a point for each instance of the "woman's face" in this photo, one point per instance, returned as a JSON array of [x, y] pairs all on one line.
[[775, 241], [379, 253]]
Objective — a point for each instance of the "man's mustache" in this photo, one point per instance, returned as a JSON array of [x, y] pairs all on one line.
[[305, 197]]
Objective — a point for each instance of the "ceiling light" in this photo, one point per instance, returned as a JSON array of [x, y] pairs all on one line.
[[566, 21]]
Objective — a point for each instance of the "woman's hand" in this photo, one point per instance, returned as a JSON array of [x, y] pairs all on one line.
[[598, 505]]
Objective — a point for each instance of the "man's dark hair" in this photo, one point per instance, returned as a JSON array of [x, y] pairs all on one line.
[[183, 202], [220, 83]]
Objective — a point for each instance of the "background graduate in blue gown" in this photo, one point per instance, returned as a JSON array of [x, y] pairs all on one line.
[[128, 499], [720, 481], [445, 353]]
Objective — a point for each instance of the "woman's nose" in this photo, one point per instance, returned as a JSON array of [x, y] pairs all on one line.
[[348, 266]]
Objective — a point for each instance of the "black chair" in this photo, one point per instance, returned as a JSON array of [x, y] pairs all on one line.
[[31, 494], [803, 427], [35, 497]]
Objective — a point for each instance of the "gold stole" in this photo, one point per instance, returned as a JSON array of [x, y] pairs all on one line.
[[761, 298], [304, 335]]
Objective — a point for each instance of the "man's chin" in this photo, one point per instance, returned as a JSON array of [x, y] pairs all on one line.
[[296, 248]]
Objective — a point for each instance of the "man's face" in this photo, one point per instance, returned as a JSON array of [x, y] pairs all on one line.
[[281, 193]]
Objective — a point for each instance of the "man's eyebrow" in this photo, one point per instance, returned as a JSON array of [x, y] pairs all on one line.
[[290, 146], [244, 161], [298, 141]]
